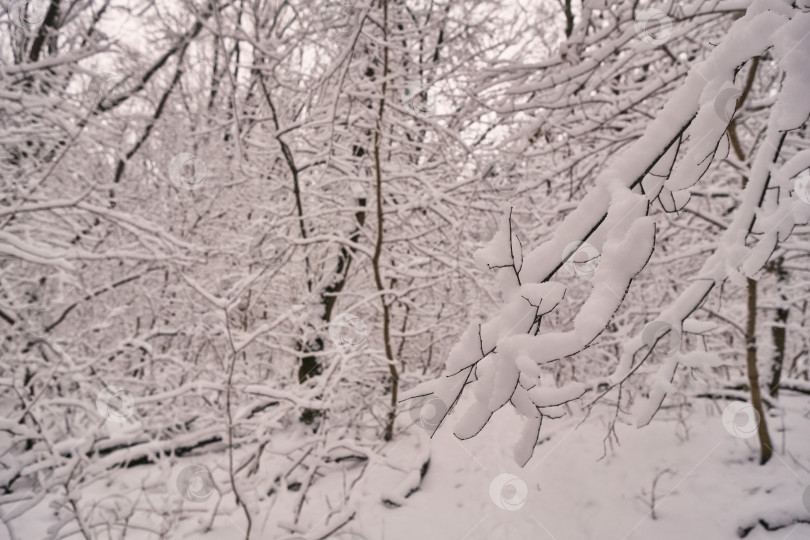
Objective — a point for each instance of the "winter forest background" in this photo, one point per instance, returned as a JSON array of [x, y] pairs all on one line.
[[396, 269]]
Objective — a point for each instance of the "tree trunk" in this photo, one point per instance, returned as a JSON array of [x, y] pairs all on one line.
[[389, 353], [778, 331], [765, 447]]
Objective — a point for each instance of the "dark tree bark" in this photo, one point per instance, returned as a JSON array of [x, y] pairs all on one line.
[[778, 332], [765, 445]]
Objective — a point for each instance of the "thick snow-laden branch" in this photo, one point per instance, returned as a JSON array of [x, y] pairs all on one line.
[[503, 360], [732, 259]]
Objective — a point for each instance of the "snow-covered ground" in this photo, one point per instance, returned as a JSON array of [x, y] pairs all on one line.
[[709, 485], [714, 484]]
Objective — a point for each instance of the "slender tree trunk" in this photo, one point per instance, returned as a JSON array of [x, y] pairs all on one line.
[[389, 353], [765, 447], [778, 332], [569, 18], [310, 365]]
